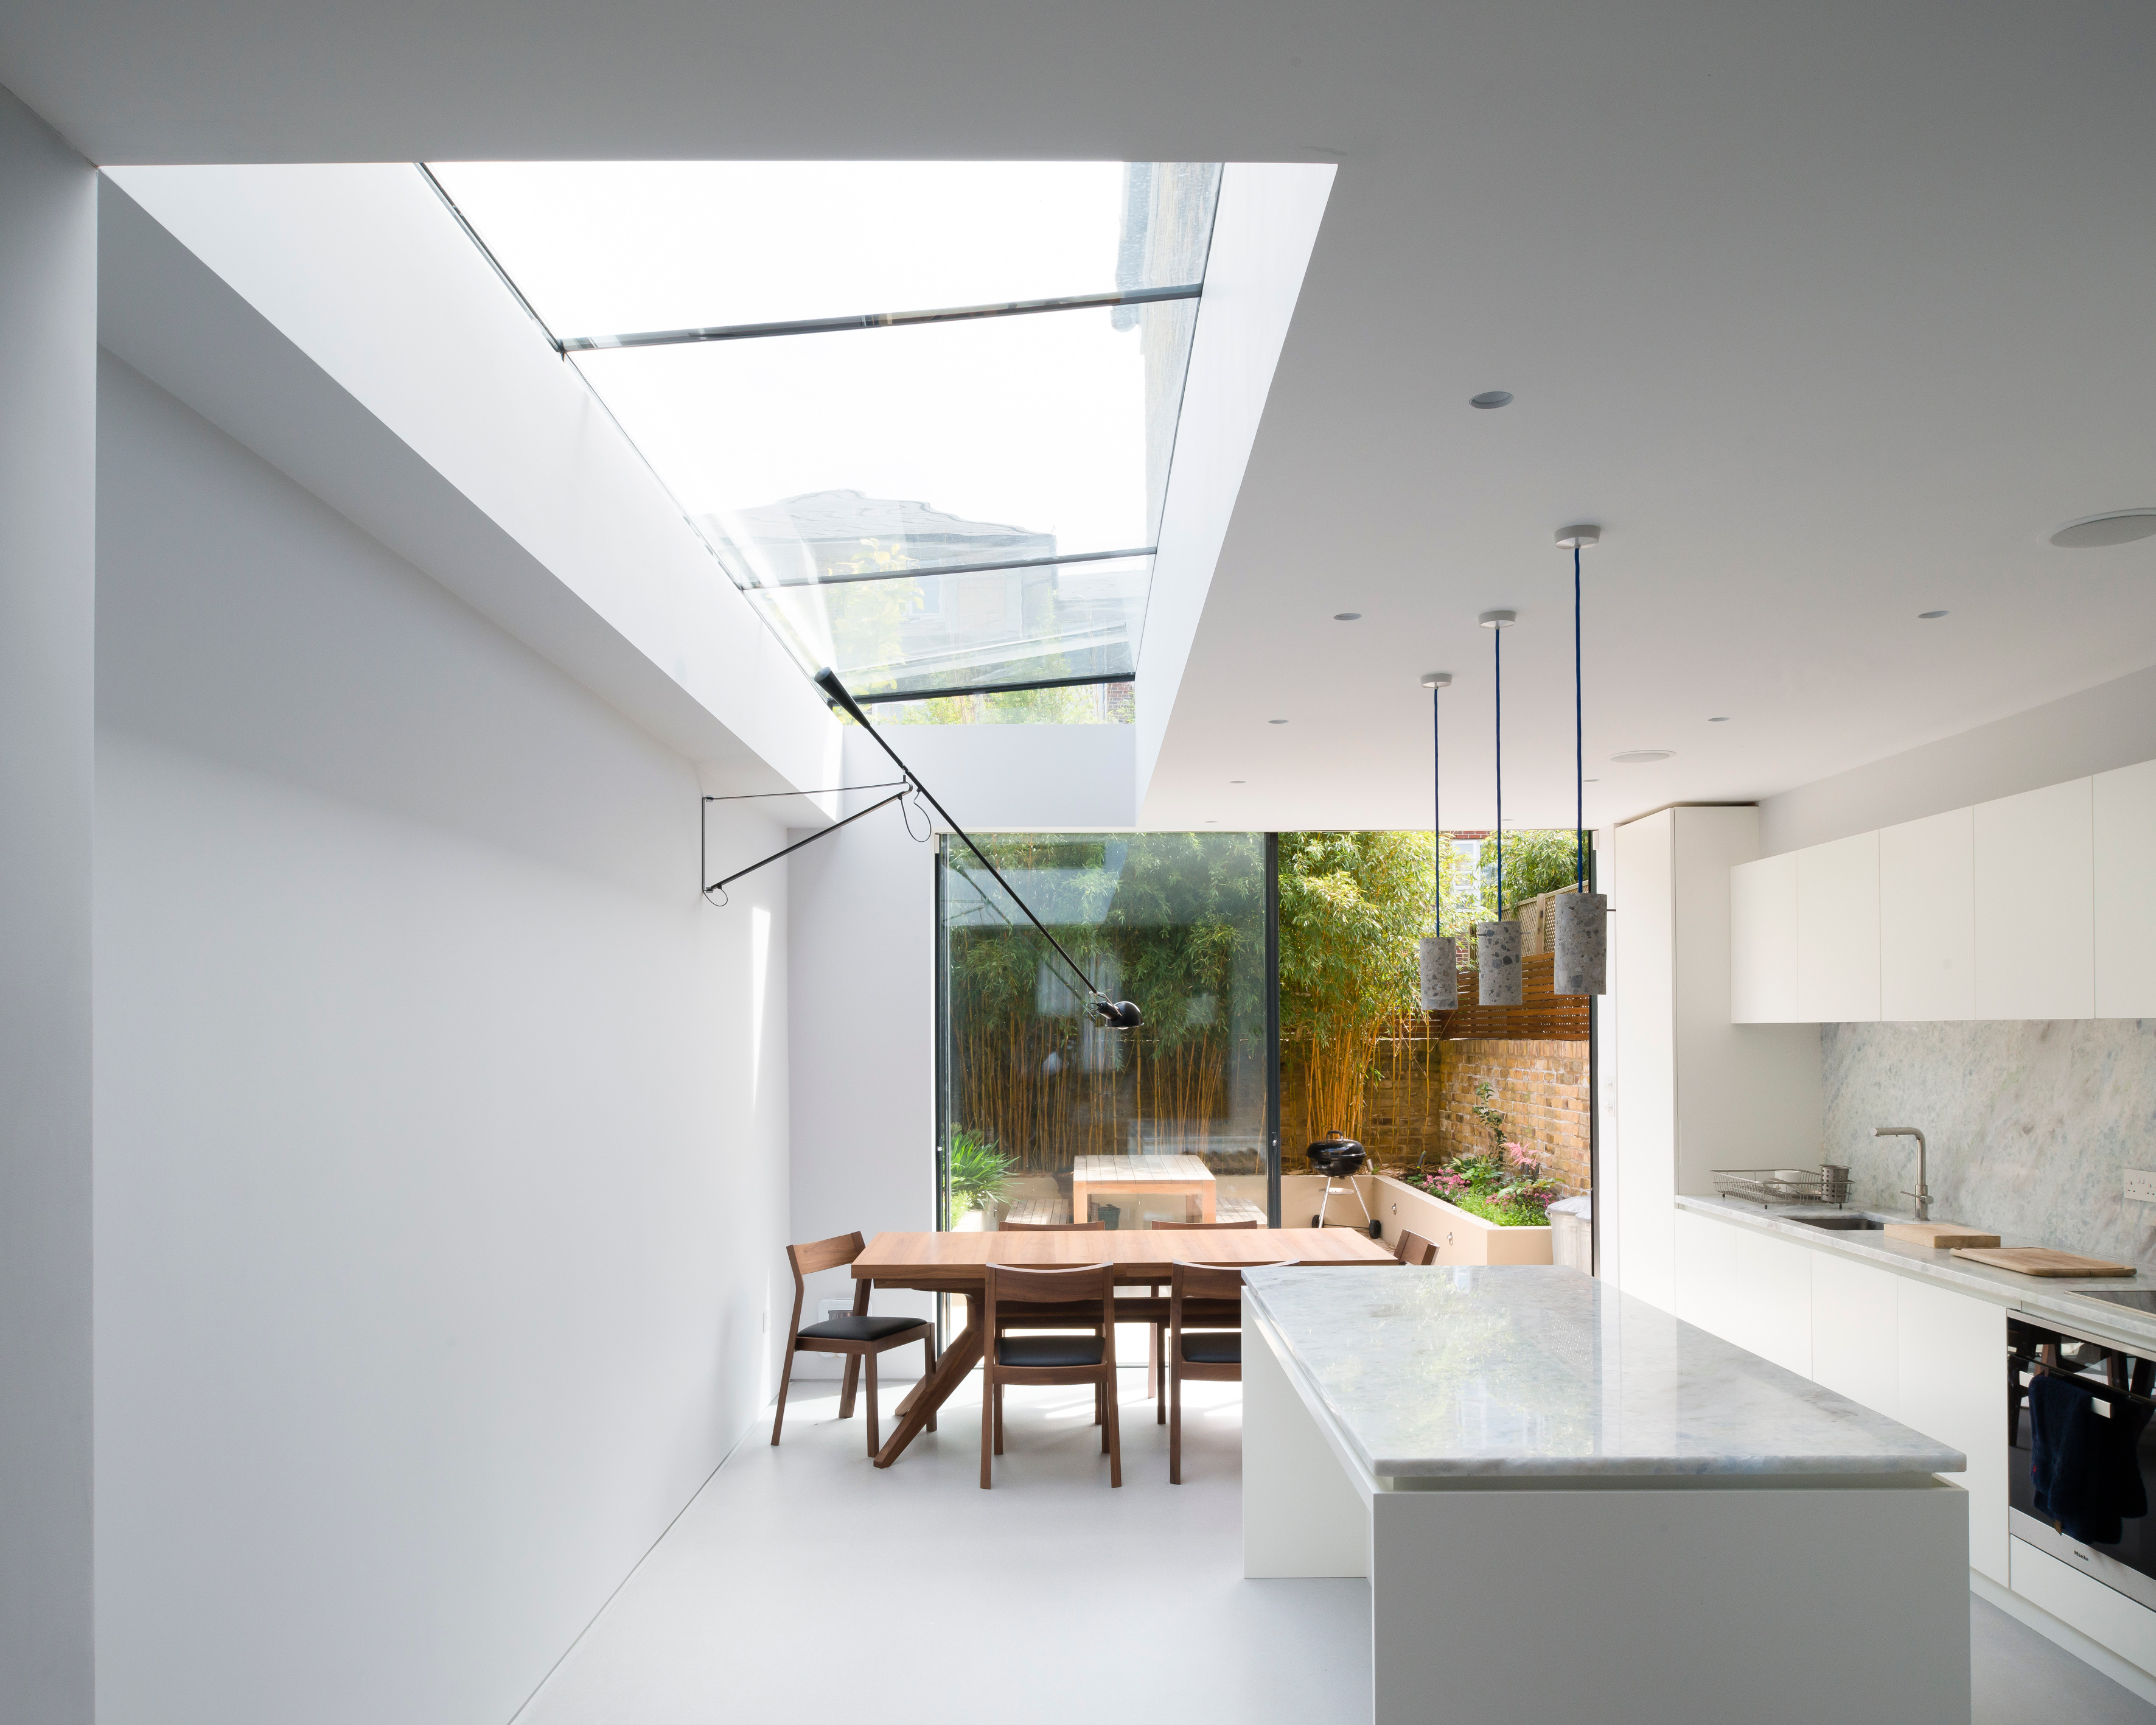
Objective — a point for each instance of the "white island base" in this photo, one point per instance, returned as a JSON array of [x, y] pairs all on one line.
[[1623, 1598]]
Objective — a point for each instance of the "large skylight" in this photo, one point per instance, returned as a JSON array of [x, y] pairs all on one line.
[[931, 506]]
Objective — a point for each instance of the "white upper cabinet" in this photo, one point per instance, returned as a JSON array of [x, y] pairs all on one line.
[[1927, 917], [1838, 931], [2125, 882], [2035, 904], [1763, 941]]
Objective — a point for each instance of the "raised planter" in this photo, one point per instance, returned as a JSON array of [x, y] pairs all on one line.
[[1460, 1237]]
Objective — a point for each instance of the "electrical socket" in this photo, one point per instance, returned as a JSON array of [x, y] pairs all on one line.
[[2140, 1186]]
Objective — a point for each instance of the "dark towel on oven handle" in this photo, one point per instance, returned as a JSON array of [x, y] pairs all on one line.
[[2085, 1467]]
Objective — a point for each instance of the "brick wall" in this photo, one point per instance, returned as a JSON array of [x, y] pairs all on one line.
[[1411, 1111]]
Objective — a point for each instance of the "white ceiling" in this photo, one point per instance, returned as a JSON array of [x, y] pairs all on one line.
[[1829, 314]]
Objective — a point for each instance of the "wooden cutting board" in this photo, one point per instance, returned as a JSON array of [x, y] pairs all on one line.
[[2041, 1261], [1940, 1235]]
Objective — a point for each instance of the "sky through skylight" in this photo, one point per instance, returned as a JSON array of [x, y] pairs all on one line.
[[810, 461]]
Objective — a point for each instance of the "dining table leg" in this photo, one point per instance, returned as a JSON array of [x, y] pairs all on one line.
[[922, 1401]]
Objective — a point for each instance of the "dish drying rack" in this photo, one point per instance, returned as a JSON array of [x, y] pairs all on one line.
[[1828, 1184]]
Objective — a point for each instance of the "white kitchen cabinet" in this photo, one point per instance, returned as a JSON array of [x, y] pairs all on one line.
[[1838, 932], [1952, 1374], [2124, 823], [1763, 941], [1854, 1350], [1927, 918], [1925, 1355], [1768, 1298], [1699, 1255], [2035, 904]]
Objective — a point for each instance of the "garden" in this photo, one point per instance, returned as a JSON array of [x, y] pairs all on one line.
[[1177, 921]]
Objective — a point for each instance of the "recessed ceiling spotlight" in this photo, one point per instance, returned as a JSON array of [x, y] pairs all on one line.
[[1641, 757], [1590, 781], [1929, 616], [1211, 823], [2120, 527], [1347, 616], [1723, 719], [1277, 722], [1491, 399], [1238, 781]]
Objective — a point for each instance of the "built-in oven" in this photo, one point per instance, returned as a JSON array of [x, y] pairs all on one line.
[[2117, 1377]]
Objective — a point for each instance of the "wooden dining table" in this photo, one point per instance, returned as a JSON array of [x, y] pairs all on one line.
[[1142, 1257]]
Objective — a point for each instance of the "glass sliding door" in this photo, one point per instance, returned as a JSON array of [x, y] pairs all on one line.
[[1175, 921]]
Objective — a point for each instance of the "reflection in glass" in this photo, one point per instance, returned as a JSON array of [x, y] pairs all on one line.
[[1173, 920]]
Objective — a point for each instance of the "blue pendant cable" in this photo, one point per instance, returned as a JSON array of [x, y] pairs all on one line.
[[1497, 648], [1436, 818], [1578, 740]]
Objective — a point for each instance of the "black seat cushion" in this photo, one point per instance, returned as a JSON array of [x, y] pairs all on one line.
[[1048, 1350], [1213, 1348], [850, 1328]]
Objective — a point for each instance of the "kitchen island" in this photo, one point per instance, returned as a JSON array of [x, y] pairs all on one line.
[[1568, 1504]]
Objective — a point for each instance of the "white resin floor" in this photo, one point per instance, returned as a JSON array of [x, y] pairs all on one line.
[[912, 1596], [803, 1581]]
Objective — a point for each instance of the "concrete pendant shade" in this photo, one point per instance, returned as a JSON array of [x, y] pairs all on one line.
[[1582, 943], [1497, 962], [1440, 954]]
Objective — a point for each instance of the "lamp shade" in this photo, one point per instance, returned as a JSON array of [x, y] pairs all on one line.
[[1440, 956], [1583, 944], [1497, 962]]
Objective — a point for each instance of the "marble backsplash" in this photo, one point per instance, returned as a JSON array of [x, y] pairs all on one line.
[[2029, 1124]]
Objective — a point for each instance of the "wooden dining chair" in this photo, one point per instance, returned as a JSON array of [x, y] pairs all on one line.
[[1411, 1248], [1052, 1321], [1200, 1346], [857, 1336], [1152, 1310], [1087, 1290]]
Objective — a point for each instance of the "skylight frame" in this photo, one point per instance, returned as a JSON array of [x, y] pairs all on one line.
[[1156, 431]]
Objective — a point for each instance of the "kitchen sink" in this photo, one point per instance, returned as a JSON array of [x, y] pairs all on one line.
[[1843, 1223]]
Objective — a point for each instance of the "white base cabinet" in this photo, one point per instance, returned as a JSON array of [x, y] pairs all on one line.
[[1927, 1356]]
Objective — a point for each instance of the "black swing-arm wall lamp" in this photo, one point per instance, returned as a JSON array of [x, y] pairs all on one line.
[[1113, 1014]]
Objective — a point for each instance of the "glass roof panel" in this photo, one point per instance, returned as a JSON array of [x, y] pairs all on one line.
[[1009, 439], [936, 633], [607, 247], [1010, 472]]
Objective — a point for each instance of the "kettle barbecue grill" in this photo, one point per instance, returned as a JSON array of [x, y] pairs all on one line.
[[1338, 1156]]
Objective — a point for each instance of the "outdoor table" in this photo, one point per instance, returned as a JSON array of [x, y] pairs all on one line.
[[1144, 1176], [954, 1263]]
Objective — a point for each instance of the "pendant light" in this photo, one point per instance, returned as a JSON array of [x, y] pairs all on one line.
[[1439, 952], [1582, 964], [1498, 944]]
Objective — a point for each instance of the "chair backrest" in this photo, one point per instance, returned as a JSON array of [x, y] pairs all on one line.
[[1206, 1281], [1411, 1248], [1195, 1227], [824, 1254], [1055, 1228], [1088, 1284]]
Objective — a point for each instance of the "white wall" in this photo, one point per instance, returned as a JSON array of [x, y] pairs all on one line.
[[2112, 725], [441, 1129], [48, 429], [1027, 779], [861, 992], [1699, 1092]]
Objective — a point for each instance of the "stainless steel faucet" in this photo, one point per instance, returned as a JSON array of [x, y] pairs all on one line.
[[1923, 1194]]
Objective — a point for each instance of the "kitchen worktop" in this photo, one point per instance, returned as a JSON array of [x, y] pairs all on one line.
[[1526, 1371], [2062, 1298]]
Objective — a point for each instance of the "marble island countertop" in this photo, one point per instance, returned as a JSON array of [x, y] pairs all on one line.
[[2063, 1298], [1536, 1372]]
